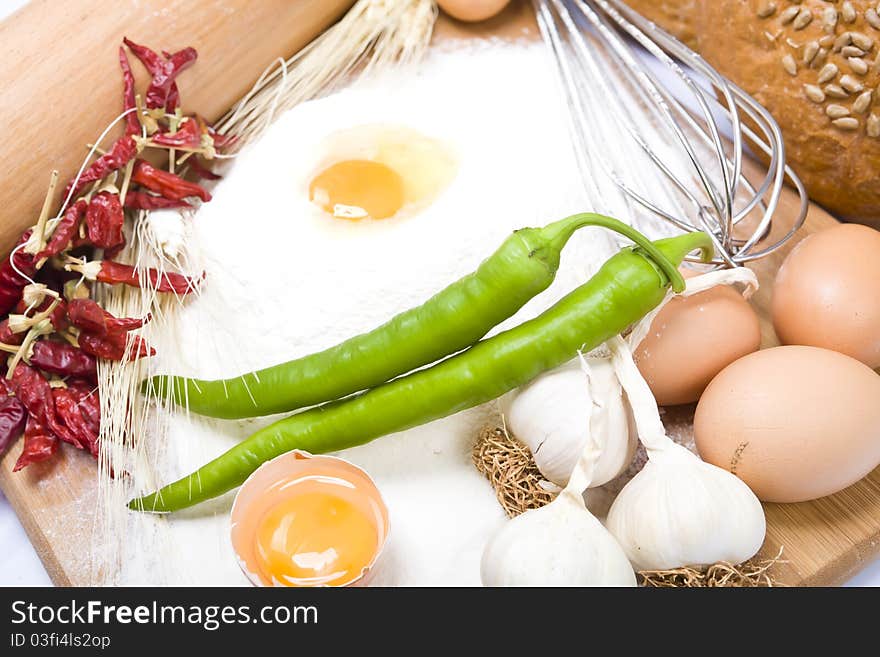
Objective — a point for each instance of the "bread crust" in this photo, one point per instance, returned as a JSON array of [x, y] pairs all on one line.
[[675, 16], [815, 65]]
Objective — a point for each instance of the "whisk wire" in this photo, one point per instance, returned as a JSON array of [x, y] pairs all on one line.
[[696, 132]]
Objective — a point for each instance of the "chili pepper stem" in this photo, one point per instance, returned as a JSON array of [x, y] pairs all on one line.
[[24, 351], [126, 181], [21, 323], [147, 122], [560, 232], [70, 338], [37, 242], [34, 294], [89, 270]]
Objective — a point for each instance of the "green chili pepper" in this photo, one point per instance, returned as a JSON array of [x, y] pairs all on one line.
[[452, 320], [625, 289]]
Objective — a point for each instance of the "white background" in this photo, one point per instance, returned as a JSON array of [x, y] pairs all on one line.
[[19, 564]]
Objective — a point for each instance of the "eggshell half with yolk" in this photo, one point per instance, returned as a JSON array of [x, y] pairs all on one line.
[[302, 520]]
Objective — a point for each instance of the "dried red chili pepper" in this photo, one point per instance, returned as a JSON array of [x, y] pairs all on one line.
[[90, 404], [12, 416], [144, 201], [11, 282], [165, 183], [39, 444], [70, 413], [132, 125], [87, 315], [221, 142], [189, 135], [64, 359], [65, 232], [202, 172], [163, 91], [104, 220], [7, 336], [114, 346], [121, 153], [33, 390], [116, 273]]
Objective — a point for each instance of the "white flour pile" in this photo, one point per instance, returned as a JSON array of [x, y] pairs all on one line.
[[284, 281]]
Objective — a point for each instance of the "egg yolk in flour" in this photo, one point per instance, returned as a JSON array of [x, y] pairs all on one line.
[[379, 171], [317, 536], [357, 189]]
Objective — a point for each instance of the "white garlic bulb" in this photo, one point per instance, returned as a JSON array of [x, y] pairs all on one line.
[[678, 511], [558, 413], [561, 544]]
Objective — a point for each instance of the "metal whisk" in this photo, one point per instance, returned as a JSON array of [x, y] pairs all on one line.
[[671, 116]]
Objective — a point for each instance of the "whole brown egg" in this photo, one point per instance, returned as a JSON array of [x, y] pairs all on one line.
[[827, 293]]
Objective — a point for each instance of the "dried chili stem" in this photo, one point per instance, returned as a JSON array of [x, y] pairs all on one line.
[[145, 118], [24, 351], [38, 239], [126, 181], [70, 337], [26, 323], [183, 159]]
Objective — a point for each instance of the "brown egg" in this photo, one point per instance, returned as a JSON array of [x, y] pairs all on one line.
[[794, 423], [827, 293], [694, 338], [472, 11]]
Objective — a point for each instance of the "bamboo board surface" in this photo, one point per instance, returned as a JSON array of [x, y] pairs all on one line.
[[825, 542]]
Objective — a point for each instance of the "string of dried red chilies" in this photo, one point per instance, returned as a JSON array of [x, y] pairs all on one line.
[[56, 334]]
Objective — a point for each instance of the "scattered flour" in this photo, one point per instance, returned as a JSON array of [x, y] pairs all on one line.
[[284, 280]]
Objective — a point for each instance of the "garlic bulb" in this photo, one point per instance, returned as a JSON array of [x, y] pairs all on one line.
[[678, 511], [558, 413], [560, 544]]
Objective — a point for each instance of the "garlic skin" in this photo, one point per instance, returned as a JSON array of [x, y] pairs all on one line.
[[556, 415], [561, 544], [679, 511]]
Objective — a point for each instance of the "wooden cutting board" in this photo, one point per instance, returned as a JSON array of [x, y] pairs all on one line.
[[825, 542]]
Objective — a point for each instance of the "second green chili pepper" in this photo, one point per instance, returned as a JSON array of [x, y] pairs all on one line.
[[624, 290], [452, 320]]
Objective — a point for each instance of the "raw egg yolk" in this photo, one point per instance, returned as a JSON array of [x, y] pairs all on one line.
[[315, 538], [356, 189]]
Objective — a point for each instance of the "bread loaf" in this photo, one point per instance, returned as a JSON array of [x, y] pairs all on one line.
[[675, 16], [815, 64]]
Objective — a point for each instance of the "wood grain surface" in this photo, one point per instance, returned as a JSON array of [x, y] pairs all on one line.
[[825, 541], [61, 83]]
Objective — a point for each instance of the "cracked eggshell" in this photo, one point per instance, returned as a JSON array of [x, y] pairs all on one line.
[[795, 423]]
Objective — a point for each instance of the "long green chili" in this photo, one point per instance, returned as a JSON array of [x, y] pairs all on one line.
[[625, 289], [455, 318]]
